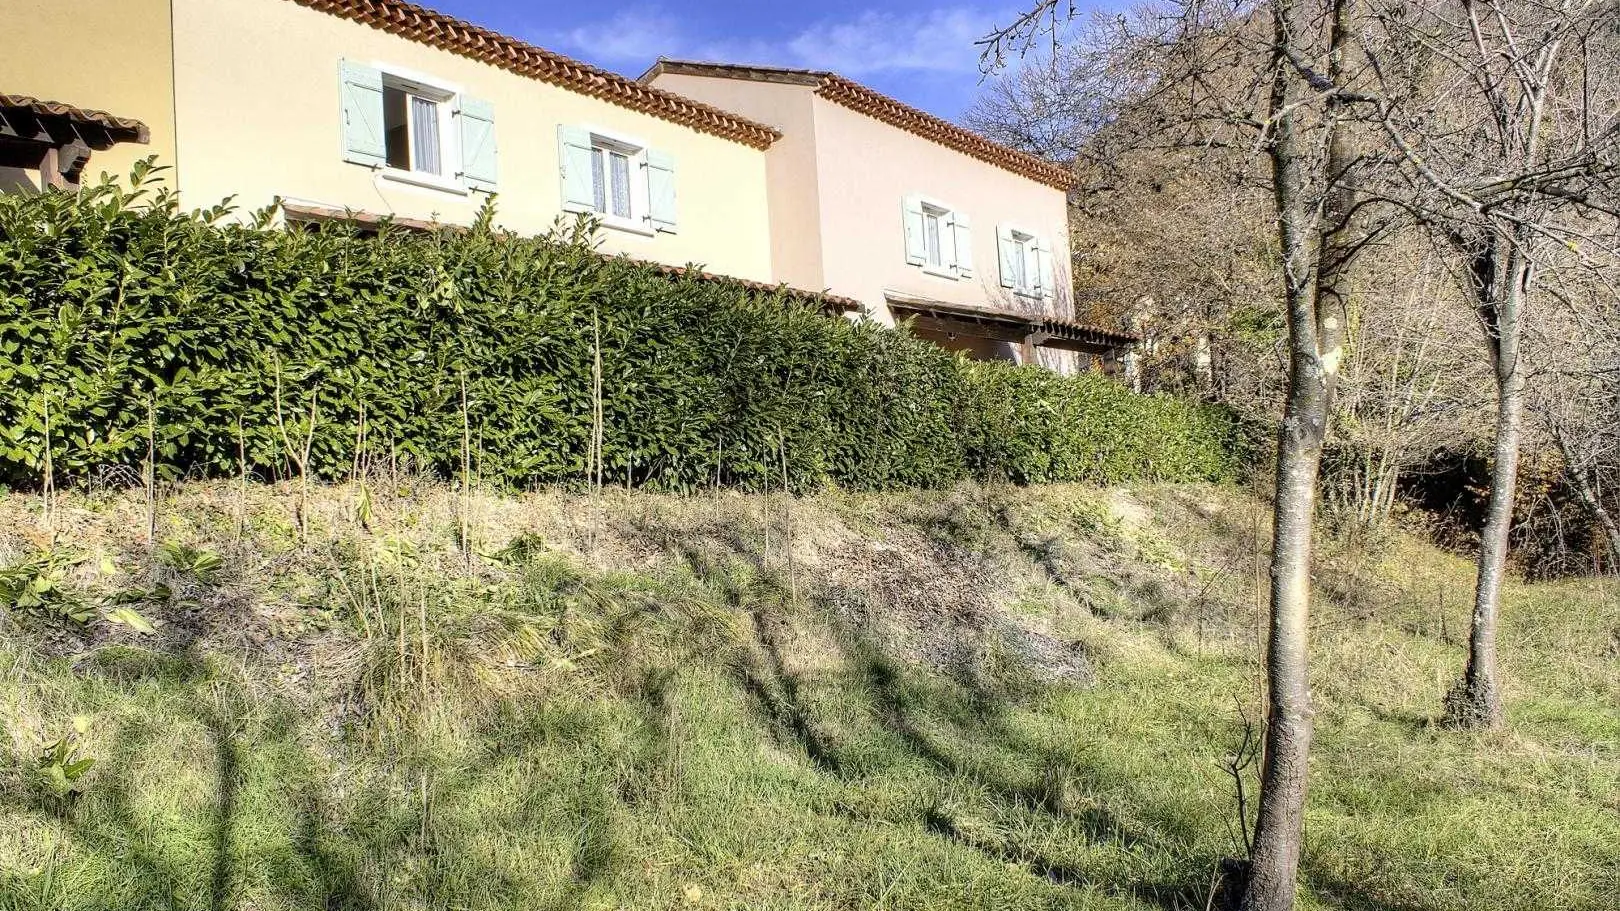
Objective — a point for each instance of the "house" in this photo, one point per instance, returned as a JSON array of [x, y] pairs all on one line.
[[365, 109], [915, 217], [386, 108]]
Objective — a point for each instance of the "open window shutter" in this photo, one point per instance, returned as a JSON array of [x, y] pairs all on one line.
[[1008, 253], [1044, 257], [912, 214], [574, 157], [661, 190], [478, 156], [362, 90], [963, 232]]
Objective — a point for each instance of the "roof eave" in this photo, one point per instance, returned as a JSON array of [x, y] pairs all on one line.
[[435, 29], [872, 103]]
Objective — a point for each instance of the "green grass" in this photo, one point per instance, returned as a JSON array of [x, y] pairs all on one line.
[[643, 703]]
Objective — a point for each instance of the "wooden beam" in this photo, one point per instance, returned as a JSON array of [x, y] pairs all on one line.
[[50, 170]]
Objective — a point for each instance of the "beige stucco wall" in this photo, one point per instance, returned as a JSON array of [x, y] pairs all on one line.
[[790, 165], [865, 168], [257, 96], [108, 55]]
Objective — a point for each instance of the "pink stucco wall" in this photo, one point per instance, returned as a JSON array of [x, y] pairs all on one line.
[[838, 178], [865, 168]]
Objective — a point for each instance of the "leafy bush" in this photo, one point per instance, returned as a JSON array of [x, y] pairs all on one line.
[[126, 325]]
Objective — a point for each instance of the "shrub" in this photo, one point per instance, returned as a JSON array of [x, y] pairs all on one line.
[[126, 324]]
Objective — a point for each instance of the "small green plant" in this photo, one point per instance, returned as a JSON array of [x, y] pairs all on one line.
[[119, 607], [200, 563], [39, 586], [525, 547], [63, 765]]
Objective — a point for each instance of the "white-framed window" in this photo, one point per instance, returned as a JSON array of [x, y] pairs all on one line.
[[414, 129], [938, 237], [1026, 262], [619, 179]]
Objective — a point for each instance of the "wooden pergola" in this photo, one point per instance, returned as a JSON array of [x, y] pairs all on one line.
[[1025, 331], [56, 139]]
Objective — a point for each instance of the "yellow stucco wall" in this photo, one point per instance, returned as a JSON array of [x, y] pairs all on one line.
[[109, 55], [258, 102]]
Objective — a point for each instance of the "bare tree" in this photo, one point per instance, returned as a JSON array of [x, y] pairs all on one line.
[[1490, 106], [1234, 77], [1580, 399]]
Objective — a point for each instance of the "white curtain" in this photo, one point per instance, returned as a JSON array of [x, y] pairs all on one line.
[[425, 136]]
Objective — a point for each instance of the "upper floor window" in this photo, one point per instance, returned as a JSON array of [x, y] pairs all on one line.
[[416, 130], [629, 185], [1026, 262], [938, 238], [611, 190], [414, 124]]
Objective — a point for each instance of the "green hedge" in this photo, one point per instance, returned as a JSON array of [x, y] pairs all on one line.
[[117, 310]]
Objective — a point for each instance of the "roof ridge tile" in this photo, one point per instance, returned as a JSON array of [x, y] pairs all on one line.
[[866, 100]]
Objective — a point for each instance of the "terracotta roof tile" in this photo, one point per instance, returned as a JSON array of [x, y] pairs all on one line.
[[438, 30], [1055, 327], [874, 104], [124, 129]]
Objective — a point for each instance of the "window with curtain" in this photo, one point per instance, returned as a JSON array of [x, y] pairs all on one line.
[[610, 180], [413, 128], [1022, 262], [931, 233]]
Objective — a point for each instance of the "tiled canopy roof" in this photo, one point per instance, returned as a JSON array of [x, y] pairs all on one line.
[[119, 129], [458, 37], [1052, 331], [857, 97]]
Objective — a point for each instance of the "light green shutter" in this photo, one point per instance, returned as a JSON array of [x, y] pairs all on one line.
[[362, 88], [1048, 288], [661, 190], [574, 157], [961, 228], [912, 213], [1008, 253], [478, 155]]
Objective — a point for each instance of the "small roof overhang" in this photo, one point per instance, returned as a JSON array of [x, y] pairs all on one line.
[[56, 139], [57, 124], [1009, 325]]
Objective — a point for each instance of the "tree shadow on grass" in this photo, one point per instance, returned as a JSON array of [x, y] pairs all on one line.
[[972, 707], [154, 871]]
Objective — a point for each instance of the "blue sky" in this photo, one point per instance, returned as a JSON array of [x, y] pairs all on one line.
[[920, 52]]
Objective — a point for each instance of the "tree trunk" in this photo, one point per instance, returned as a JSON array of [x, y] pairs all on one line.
[[1476, 701], [1279, 828], [1313, 280]]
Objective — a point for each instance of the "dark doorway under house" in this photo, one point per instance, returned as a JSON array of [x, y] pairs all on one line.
[[984, 333]]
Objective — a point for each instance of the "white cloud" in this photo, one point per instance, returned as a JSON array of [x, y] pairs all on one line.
[[631, 35], [875, 41], [939, 40]]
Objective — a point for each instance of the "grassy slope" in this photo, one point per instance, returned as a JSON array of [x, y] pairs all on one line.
[[647, 703]]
